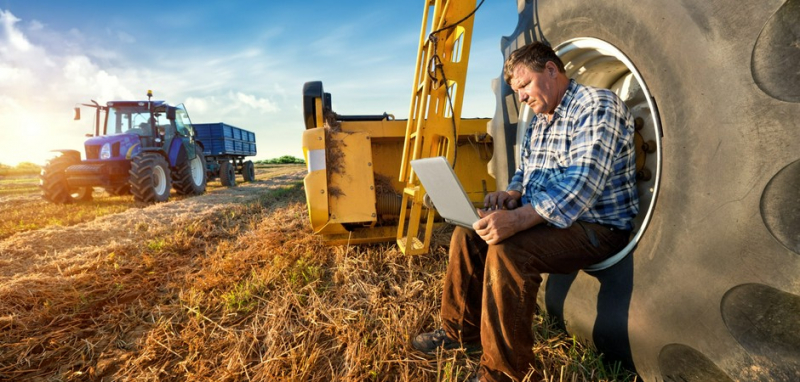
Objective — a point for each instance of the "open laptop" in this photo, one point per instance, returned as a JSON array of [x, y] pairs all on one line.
[[446, 192]]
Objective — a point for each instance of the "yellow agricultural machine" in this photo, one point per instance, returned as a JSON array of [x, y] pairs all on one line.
[[708, 288], [359, 175]]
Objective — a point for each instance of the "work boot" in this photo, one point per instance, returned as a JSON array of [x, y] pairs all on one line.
[[429, 342]]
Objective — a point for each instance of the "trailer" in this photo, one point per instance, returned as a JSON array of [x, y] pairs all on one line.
[[225, 148]]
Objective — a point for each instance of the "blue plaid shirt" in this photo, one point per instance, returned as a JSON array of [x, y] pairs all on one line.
[[582, 164]]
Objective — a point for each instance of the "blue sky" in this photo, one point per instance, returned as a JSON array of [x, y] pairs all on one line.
[[239, 62]]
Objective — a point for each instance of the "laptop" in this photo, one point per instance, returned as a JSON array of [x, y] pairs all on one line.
[[445, 191]]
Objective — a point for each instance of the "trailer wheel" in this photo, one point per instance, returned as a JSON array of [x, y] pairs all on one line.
[[248, 171], [190, 177], [150, 178], [53, 180], [227, 174]]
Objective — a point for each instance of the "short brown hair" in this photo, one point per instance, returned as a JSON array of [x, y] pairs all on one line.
[[534, 56]]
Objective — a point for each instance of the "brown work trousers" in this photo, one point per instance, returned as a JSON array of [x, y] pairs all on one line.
[[490, 290]]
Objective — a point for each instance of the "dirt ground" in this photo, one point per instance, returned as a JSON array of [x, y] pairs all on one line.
[[56, 250]]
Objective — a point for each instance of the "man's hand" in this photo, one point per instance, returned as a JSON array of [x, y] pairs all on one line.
[[500, 200], [498, 225]]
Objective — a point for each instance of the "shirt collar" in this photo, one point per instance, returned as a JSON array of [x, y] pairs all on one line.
[[565, 100]]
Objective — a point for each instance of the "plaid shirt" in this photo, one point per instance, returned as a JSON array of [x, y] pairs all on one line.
[[582, 164]]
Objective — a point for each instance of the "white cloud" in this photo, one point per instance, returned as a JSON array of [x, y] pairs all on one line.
[[232, 106], [15, 39], [39, 87], [262, 104], [35, 26], [126, 38]]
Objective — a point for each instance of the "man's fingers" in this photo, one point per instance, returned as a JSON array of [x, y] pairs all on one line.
[[496, 200], [490, 200], [501, 200]]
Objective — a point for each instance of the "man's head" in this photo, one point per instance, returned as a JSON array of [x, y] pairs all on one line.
[[538, 76]]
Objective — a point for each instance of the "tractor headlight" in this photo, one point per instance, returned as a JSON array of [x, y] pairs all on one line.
[[105, 151]]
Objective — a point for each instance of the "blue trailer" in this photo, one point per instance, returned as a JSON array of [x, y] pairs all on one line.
[[225, 148]]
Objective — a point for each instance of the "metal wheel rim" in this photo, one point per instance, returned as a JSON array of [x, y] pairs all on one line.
[[596, 62], [159, 180], [197, 169]]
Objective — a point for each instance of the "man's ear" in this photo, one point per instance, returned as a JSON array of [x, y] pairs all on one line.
[[551, 69]]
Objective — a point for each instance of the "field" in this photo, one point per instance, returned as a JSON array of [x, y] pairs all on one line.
[[227, 286]]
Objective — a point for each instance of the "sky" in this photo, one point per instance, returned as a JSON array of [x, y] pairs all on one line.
[[239, 62]]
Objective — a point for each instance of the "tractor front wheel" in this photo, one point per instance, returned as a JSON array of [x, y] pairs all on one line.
[[150, 178], [53, 179]]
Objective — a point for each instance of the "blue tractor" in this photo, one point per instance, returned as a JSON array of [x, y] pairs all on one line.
[[144, 148]]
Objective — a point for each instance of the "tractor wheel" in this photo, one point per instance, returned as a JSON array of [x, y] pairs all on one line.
[[150, 178], [249, 171], [227, 174], [53, 180], [190, 176], [716, 241]]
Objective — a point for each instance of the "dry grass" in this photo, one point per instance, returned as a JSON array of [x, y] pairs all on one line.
[[242, 291], [23, 209]]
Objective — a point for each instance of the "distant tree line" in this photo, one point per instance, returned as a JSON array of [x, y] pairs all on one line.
[[23, 168], [286, 159]]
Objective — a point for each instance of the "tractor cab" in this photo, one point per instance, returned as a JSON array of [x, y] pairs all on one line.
[[134, 117], [128, 127]]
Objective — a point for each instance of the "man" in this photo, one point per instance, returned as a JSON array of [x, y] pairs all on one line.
[[568, 206]]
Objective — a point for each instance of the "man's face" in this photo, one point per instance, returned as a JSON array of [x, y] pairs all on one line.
[[537, 90]]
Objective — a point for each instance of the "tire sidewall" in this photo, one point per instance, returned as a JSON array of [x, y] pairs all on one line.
[[227, 174], [53, 179], [249, 171]]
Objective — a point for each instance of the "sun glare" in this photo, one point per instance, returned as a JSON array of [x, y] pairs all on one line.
[[30, 136]]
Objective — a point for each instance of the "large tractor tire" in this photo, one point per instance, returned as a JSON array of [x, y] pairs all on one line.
[[53, 180], [190, 176], [248, 171], [709, 289], [150, 178], [227, 174]]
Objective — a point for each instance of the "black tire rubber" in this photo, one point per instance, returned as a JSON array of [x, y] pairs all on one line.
[[150, 178], [190, 176], [248, 171], [675, 308], [227, 174], [53, 180]]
